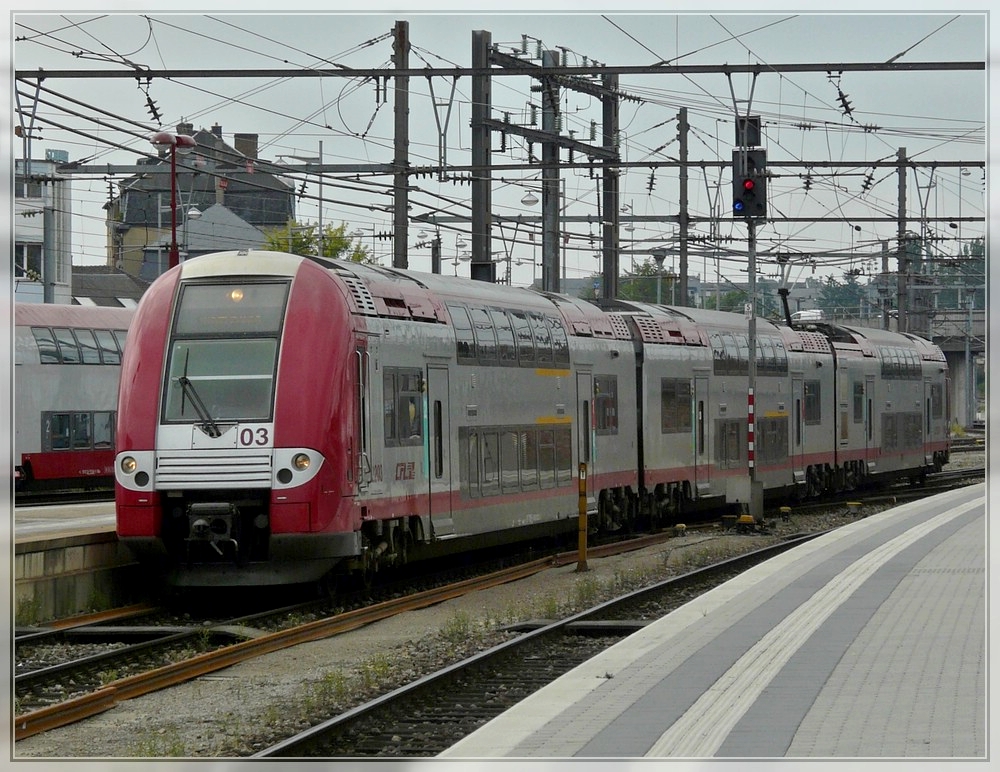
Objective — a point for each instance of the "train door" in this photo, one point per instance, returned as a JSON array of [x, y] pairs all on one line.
[[368, 437], [796, 440], [702, 465], [437, 457], [585, 434]]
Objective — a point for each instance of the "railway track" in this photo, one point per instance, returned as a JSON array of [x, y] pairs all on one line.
[[227, 642], [425, 717]]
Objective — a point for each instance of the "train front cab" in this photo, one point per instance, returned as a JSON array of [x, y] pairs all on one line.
[[228, 409]]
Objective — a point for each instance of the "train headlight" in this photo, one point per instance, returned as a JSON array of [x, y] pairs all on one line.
[[301, 462], [129, 464], [236, 294]]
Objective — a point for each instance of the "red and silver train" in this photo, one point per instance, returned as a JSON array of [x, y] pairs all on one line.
[[283, 417], [67, 360]]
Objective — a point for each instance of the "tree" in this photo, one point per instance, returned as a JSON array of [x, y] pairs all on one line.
[[838, 299], [306, 240]]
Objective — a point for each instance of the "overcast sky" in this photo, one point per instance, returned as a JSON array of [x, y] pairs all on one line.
[[934, 115]]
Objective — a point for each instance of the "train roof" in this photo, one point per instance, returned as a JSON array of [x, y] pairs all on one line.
[[64, 315]]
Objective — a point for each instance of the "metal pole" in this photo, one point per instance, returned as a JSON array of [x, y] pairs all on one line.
[[175, 257], [756, 489], [581, 563]]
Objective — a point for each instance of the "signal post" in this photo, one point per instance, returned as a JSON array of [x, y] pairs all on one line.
[[750, 203]]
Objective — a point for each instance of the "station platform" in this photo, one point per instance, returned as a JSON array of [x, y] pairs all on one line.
[[868, 642]]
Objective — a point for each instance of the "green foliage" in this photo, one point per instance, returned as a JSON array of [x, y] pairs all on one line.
[[334, 242], [841, 299]]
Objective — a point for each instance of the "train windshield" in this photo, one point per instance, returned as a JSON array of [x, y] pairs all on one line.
[[223, 352]]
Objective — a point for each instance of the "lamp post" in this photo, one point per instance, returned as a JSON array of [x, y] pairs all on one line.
[[176, 143], [659, 255]]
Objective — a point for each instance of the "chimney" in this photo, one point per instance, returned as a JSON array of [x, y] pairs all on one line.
[[185, 128], [217, 130], [246, 144]]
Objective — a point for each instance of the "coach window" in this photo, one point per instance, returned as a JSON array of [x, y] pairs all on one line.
[[472, 463], [48, 352], [88, 347], [108, 345], [812, 411], [606, 404], [104, 429], [69, 351], [486, 337], [491, 464], [560, 343], [675, 405], [543, 340], [937, 401], [564, 456], [510, 462], [120, 336], [465, 340], [506, 351], [859, 402], [546, 458], [58, 431], [81, 431], [525, 343], [529, 459], [402, 406]]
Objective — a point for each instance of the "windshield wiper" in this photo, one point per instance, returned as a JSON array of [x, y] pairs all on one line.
[[207, 422]]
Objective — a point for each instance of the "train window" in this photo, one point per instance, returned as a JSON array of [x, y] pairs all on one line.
[[780, 357], [120, 336], [529, 459], [859, 402], [438, 441], [937, 400], [560, 343], [675, 405], [525, 343], [606, 404], [564, 456], [81, 431], [510, 462], [48, 352], [69, 350], [465, 340], [104, 429], [59, 431], [108, 345], [218, 309], [234, 379], [773, 436], [473, 463], [729, 445], [491, 463], [402, 397], [88, 347], [812, 413], [505, 337], [543, 340], [743, 355], [546, 458], [486, 337]]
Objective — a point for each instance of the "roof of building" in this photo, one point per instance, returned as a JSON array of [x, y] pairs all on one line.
[[99, 285]]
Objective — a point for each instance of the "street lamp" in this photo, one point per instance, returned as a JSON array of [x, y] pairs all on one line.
[[176, 143]]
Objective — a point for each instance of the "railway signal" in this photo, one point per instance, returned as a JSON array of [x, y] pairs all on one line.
[[749, 182]]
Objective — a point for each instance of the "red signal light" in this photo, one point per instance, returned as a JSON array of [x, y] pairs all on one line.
[[748, 185]]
